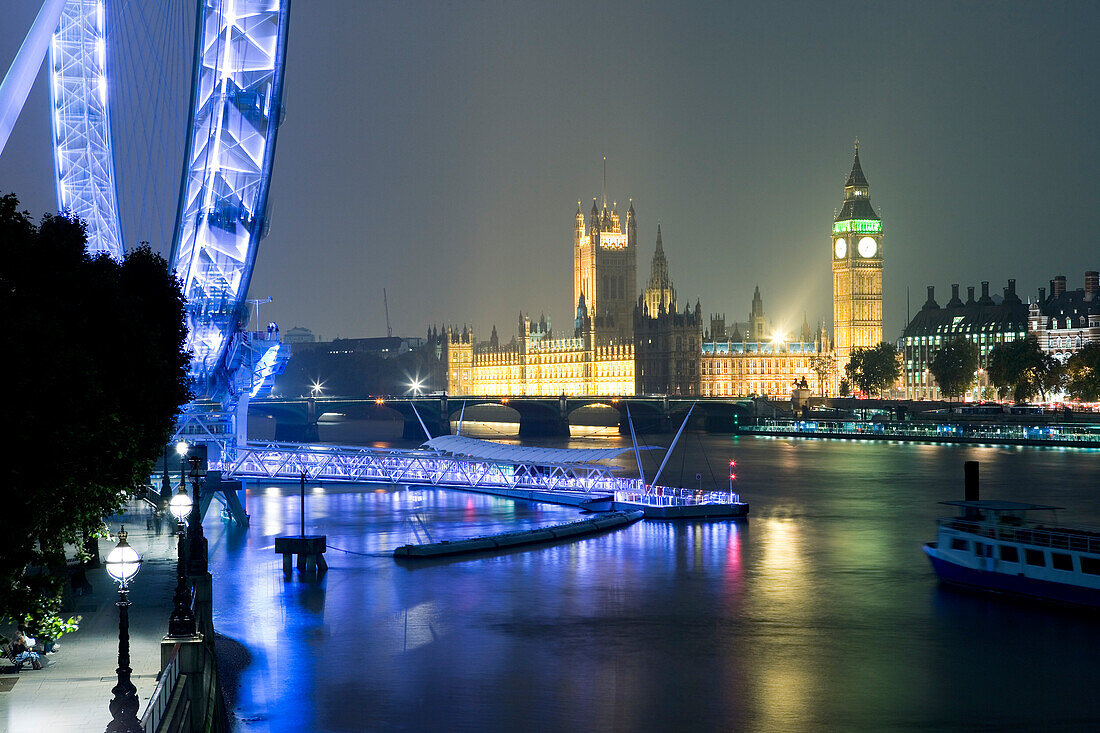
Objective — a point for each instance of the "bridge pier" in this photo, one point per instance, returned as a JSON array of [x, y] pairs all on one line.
[[542, 426]]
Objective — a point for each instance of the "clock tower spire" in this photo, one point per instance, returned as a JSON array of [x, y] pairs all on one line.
[[856, 245]]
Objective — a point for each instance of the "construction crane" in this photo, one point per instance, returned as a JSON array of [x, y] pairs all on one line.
[[386, 303], [256, 303]]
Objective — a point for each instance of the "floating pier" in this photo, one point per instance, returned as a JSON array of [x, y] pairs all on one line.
[[537, 535]]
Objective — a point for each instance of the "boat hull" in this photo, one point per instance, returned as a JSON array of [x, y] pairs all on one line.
[[955, 574]]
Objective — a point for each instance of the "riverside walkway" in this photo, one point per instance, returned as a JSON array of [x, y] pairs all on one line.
[[71, 694]]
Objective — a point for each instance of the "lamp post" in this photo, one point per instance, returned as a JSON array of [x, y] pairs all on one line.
[[122, 565], [181, 450], [181, 623], [196, 556]]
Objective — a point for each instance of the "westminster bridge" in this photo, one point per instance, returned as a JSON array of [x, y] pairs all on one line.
[[296, 418]]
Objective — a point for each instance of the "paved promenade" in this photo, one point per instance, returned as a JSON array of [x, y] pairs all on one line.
[[73, 691]]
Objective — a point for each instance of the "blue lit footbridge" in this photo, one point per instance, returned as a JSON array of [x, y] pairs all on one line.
[[574, 477], [221, 214]]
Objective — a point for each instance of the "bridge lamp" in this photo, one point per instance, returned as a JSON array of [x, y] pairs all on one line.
[[182, 448], [316, 388], [416, 386]]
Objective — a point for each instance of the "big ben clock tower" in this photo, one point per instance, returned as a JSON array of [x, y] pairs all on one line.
[[856, 245]]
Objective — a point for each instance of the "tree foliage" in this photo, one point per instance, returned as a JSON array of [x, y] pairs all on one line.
[[100, 374], [954, 365], [1083, 374], [1021, 368], [875, 369], [823, 366]]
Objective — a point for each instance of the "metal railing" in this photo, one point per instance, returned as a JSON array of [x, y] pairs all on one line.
[[162, 694], [1069, 434], [1059, 539], [354, 464]]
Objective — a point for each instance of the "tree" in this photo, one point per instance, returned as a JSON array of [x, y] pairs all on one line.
[[823, 366], [1021, 368], [845, 387], [1083, 374], [875, 369], [101, 374], [953, 365]]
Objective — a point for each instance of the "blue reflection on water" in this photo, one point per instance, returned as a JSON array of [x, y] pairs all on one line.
[[819, 614]]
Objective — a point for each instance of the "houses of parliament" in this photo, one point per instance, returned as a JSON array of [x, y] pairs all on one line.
[[622, 342]]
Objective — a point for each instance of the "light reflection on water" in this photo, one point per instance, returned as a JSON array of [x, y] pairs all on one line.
[[820, 613]]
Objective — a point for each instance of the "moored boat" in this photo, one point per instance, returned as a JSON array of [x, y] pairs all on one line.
[[996, 545]]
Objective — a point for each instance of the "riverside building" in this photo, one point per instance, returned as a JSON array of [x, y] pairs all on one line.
[[1066, 320], [986, 321]]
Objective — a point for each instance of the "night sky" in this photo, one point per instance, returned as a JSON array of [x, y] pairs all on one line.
[[439, 150]]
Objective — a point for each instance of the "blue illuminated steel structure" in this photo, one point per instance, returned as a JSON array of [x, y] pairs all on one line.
[[84, 170], [236, 108]]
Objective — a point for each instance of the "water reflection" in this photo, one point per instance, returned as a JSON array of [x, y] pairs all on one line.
[[819, 613]]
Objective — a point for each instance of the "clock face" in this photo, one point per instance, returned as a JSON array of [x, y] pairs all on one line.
[[868, 247], [841, 247]]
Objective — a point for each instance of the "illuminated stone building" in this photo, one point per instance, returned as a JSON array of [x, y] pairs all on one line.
[[597, 357], [605, 270], [1067, 320], [537, 363], [666, 342], [986, 321], [659, 293], [856, 245], [761, 363]]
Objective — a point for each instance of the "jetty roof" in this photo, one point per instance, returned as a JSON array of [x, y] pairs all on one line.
[[461, 445]]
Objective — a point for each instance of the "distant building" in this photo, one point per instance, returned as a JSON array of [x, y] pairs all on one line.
[[667, 345], [385, 346], [537, 363], [1066, 320], [299, 335], [659, 293], [605, 270], [987, 321], [857, 269], [761, 365]]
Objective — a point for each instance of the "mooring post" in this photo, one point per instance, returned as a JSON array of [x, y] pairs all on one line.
[[302, 533]]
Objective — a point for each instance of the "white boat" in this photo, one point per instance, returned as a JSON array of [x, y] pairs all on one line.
[[997, 546]]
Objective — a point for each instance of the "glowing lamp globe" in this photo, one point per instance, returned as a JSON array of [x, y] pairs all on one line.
[[123, 562], [180, 506], [181, 447]]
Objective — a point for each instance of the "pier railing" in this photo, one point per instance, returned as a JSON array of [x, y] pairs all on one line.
[[1054, 434], [356, 464], [1057, 539]]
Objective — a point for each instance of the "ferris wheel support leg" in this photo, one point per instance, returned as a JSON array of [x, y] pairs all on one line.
[[24, 68]]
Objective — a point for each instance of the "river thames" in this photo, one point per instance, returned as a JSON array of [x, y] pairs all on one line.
[[818, 613]]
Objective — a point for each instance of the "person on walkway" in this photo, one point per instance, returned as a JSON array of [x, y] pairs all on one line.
[[22, 648]]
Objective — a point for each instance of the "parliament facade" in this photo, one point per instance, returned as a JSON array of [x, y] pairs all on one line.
[[622, 342]]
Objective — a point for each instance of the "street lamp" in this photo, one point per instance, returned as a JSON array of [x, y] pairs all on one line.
[[196, 554], [181, 450], [122, 565], [181, 622]]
